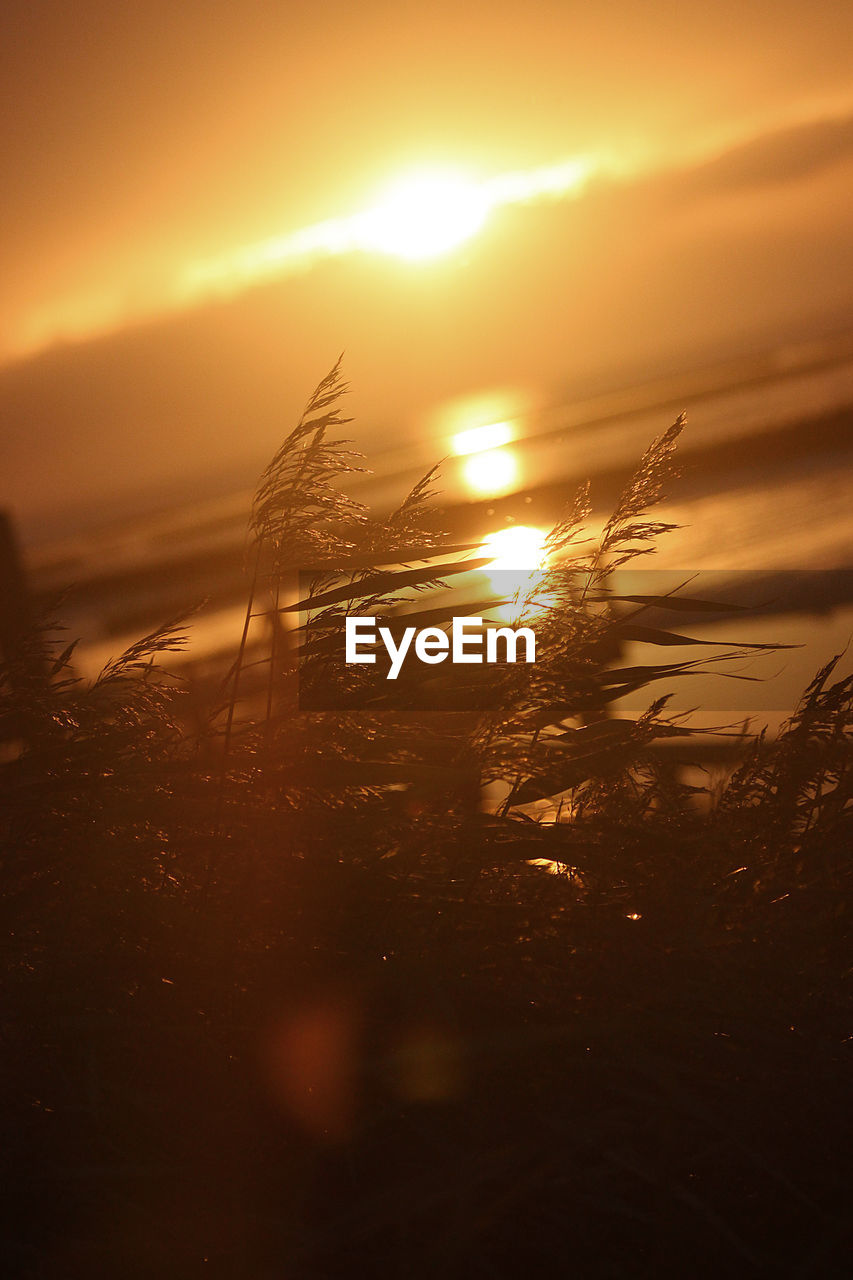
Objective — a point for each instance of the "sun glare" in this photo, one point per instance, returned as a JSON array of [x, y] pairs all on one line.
[[493, 435], [519, 552], [490, 473], [421, 216], [519, 546], [488, 467], [424, 215]]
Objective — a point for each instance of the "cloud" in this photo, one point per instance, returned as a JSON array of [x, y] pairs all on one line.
[[784, 156], [635, 278]]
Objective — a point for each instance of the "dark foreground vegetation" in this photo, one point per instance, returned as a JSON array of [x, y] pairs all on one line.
[[284, 999]]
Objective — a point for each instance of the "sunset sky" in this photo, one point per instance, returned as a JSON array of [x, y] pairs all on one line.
[[156, 154]]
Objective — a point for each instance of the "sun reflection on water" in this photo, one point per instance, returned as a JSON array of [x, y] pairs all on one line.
[[491, 473]]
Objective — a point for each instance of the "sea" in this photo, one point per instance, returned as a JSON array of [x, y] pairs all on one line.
[[766, 489]]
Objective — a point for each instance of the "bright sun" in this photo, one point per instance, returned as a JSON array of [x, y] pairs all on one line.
[[424, 215], [420, 216]]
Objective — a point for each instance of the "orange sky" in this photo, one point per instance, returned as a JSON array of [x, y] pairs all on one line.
[[144, 140], [146, 136]]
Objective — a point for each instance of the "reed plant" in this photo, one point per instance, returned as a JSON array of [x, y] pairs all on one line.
[[603, 1053]]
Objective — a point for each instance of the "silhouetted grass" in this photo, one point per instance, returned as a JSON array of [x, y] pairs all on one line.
[[284, 998]]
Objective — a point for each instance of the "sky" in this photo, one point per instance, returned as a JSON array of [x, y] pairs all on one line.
[[151, 148]]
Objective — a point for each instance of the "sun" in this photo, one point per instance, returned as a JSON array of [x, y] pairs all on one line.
[[420, 216], [424, 215]]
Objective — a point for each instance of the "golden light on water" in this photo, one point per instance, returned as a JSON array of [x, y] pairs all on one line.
[[490, 473], [493, 435], [518, 546], [518, 557], [488, 467]]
